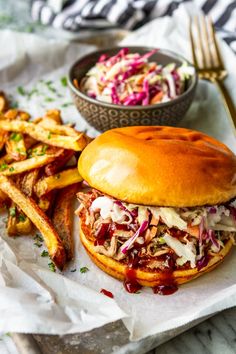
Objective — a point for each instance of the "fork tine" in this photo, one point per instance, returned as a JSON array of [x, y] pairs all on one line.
[[199, 41], [205, 42], [194, 57], [215, 48]]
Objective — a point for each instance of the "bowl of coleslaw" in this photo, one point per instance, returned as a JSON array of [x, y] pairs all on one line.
[[132, 86]]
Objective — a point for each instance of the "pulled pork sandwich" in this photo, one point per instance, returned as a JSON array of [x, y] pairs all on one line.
[[161, 208]]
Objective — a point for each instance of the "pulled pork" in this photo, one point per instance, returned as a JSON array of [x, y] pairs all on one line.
[[156, 237]]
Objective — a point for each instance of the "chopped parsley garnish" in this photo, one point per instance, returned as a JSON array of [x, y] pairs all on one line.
[[84, 270], [21, 152], [12, 211], [11, 169], [49, 135], [64, 81], [15, 137], [32, 92], [44, 253], [43, 150], [49, 99], [52, 267], [67, 104], [52, 89], [38, 240], [22, 217], [3, 166], [21, 90]]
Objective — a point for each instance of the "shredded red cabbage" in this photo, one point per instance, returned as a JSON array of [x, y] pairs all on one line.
[[212, 210], [126, 246], [213, 239], [146, 92], [202, 262], [102, 58]]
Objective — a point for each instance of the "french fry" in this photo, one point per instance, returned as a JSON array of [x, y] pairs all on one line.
[[26, 165], [24, 226], [3, 138], [44, 149], [54, 114], [55, 128], [28, 182], [58, 181], [5, 160], [16, 114], [18, 223], [45, 202], [62, 217], [55, 166], [15, 147], [3, 102], [29, 141], [3, 200], [38, 218], [11, 221], [76, 143]]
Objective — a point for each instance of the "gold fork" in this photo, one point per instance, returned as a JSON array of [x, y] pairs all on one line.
[[208, 61]]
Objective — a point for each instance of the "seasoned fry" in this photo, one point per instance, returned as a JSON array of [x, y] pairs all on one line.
[[62, 217], [26, 165], [15, 147], [44, 149], [4, 161], [28, 182], [3, 138], [29, 141], [11, 221], [24, 226], [58, 181], [55, 128], [45, 202], [16, 114], [39, 219], [3, 200], [55, 166], [54, 114], [76, 143], [3, 102]]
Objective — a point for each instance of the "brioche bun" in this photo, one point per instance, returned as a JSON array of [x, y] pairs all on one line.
[[160, 166], [147, 277]]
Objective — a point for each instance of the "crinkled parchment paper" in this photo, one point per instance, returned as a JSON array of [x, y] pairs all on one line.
[[32, 298]]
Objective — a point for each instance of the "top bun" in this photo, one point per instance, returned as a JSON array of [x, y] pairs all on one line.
[[160, 166]]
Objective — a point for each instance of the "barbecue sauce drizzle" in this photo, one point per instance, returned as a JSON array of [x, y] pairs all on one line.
[[168, 285]]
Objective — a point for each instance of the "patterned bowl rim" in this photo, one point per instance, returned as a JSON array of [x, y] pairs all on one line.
[[138, 107]]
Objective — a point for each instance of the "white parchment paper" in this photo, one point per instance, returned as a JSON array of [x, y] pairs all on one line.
[[34, 299]]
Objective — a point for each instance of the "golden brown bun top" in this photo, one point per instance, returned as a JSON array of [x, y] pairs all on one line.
[[162, 166]]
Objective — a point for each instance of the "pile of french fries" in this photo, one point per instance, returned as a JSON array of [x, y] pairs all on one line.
[[39, 177]]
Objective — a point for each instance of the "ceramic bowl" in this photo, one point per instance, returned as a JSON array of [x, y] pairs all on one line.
[[104, 116]]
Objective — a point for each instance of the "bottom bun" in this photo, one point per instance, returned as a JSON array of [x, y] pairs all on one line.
[[148, 277]]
